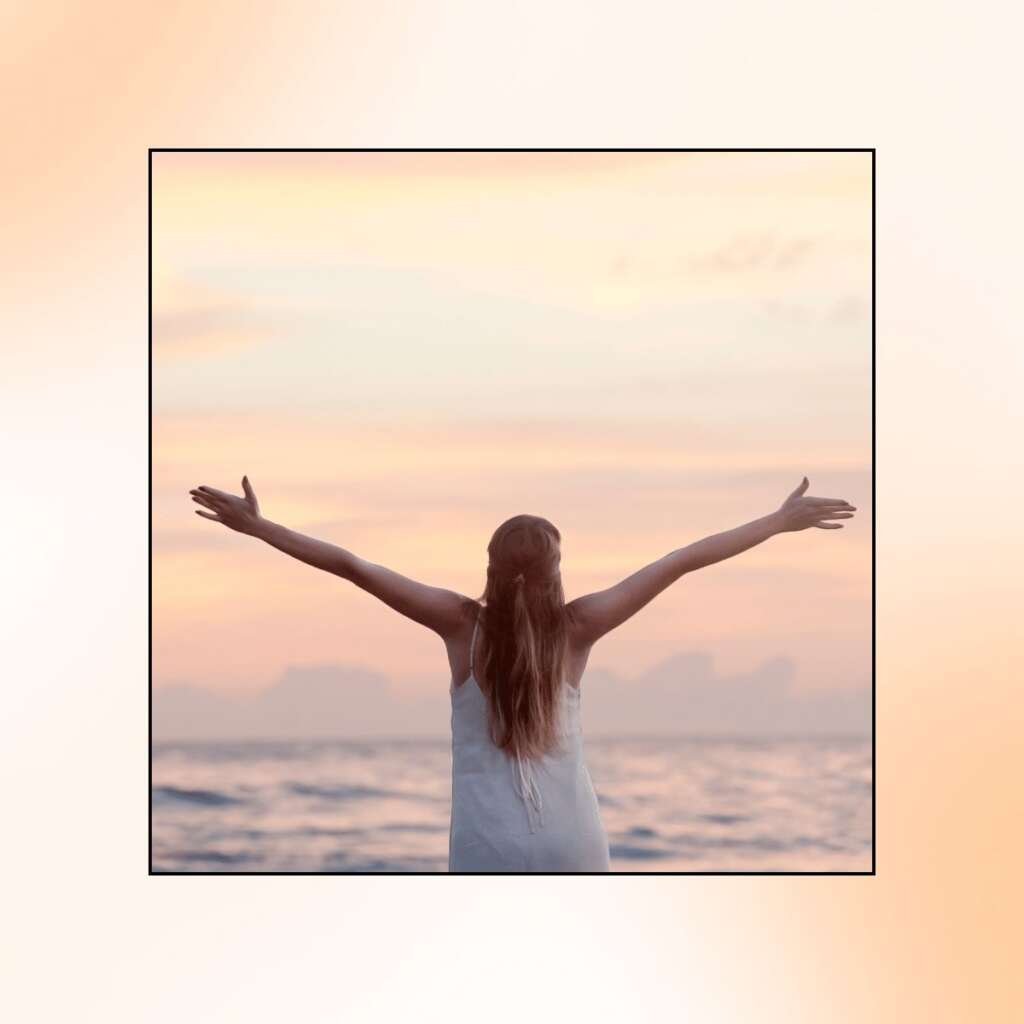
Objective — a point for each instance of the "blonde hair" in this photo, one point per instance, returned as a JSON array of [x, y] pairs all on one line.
[[523, 636]]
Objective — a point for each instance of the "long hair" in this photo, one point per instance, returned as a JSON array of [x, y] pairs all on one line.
[[523, 636]]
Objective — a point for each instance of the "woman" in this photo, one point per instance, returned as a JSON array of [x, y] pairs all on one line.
[[522, 796]]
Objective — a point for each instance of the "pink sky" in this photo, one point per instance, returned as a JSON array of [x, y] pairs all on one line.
[[402, 350]]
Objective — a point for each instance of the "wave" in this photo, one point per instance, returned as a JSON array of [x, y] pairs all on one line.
[[760, 843], [351, 863], [336, 792], [209, 857], [204, 797], [401, 827], [351, 792], [642, 832], [625, 852]]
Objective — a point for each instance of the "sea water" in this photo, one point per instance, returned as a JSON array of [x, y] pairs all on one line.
[[668, 804]]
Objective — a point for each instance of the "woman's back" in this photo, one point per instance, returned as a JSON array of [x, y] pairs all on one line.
[[512, 814]]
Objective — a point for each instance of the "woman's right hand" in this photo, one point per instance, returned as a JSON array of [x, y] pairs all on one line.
[[800, 511], [238, 513]]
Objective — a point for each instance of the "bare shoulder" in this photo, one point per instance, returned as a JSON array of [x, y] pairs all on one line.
[[469, 612]]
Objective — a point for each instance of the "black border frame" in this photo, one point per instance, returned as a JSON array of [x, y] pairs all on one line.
[[154, 150]]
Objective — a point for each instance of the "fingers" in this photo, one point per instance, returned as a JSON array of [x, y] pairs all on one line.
[[828, 502], [214, 492], [206, 515], [828, 526], [803, 485], [250, 496], [834, 515], [206, 502]]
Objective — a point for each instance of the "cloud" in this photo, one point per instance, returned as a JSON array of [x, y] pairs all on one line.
[[686, 694], [682, 695], [849, 309], [748, 252], [324, 171], [325, 449], [209, 331], [307, 702]]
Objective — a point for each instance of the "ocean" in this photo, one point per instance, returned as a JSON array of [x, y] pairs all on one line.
[[668, 804]]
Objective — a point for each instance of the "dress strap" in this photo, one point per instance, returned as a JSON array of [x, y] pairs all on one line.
[[472, 645]]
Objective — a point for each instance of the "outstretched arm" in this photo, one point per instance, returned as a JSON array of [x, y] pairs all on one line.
[[434, 607], [599, 613]]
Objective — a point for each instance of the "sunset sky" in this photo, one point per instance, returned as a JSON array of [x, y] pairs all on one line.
[[402, 350]]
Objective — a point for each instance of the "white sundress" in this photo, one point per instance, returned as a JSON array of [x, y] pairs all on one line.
[[512, 814]]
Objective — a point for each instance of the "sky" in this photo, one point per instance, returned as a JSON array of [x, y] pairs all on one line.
[[402, 350]]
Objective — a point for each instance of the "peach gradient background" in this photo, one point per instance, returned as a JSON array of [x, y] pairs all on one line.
[[87, 935]]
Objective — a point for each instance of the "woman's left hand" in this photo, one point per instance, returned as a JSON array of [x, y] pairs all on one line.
[[237, 513], [799, 511]]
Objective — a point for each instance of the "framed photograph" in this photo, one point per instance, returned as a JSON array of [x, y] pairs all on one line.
[[512, 511]]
